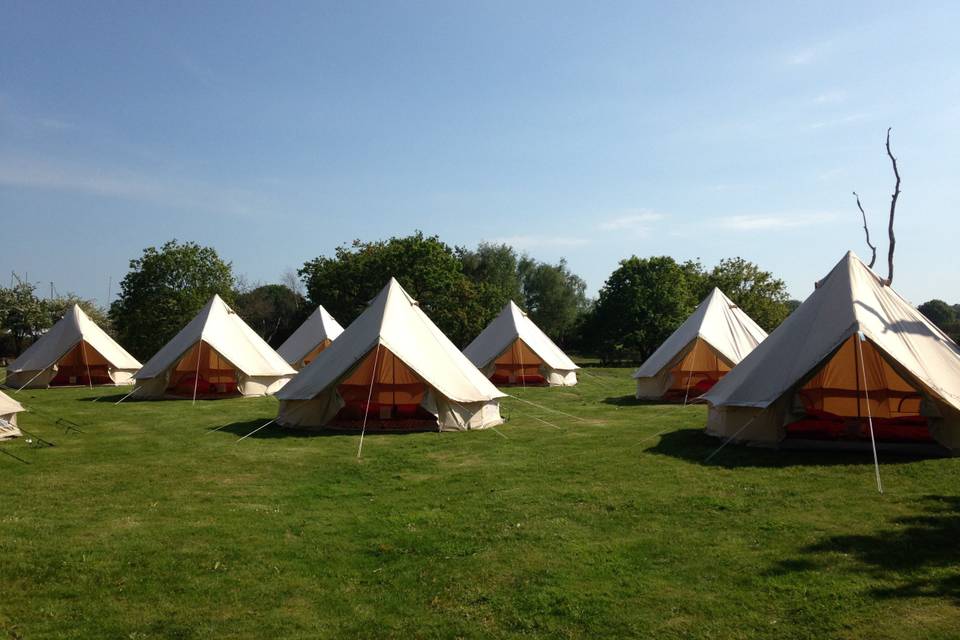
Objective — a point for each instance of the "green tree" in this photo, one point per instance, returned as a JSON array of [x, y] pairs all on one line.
[[945, 316], [554, 296], [22, 313], [496, 267], [163, 290], [426, 267], [762, 296], [642, 302], [272, 310]]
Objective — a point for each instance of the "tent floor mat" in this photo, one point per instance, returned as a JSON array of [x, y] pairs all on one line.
[[897, 448]]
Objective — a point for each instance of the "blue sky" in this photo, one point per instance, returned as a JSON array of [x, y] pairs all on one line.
[[592, 131]]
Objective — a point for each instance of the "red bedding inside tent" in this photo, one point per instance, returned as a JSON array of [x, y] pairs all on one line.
[[823, 425], [71, 375]]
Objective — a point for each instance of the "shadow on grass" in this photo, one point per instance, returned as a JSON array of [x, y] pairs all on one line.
[[694, 445], [920, 548], [275, 431]]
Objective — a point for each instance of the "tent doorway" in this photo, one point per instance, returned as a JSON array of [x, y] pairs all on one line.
[[855, 384], [310, 357], [82, 365], [696, 372], [204, 370], [518, 365], [392, 404]]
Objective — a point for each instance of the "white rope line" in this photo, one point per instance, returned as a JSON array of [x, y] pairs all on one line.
[[549, 424], [500, 432], [540, 406], [366, 409], [873, 442], [264, 426], [196, 376], [135, 389], [731, 438], [86, 363], [33, 378]]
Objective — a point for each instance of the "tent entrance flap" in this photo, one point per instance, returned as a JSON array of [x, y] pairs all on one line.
[[696, 372], [73, 367], [395, 399], [203, 369], [310, 357], [518, 365], [835, 403]]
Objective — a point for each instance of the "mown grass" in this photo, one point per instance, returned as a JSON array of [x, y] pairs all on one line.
[[150, 525]]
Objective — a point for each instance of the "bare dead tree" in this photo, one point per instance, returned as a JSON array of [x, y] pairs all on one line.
[[893, 209], [866, 230]]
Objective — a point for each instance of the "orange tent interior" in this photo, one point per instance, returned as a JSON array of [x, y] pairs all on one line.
[[393, 403], [310, 357], [204, 369], [517, 365], [696, 372], [855, 384], [82, 365]]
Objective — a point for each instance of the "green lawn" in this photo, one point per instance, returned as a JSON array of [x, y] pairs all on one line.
[[148, 525]]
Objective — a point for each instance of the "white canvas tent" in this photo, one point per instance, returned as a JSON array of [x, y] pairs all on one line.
[[709, 343], [392, 368], [313, 336], [75, 351], [513, 350], [854, 354], [216, 354], [9, 408]]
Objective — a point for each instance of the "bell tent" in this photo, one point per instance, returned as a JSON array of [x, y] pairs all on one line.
[[75, 351], [854, 358], [512, 350], [9, 408], [709, 343], [313, 336], [215, 355], [391, 369]]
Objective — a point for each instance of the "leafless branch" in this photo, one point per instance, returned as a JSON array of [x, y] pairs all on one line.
[[866, 230], [893, 209]]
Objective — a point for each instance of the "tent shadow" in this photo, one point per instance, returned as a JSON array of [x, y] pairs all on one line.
[[633, 401], [275, 431], [694, 445], [920, 547]]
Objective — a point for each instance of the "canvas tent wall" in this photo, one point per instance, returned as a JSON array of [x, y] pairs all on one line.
[[313, 336], [392, 368], [9, 408], [75, 351], [854, 353], [216, 354], [709, 343], [512, 350]]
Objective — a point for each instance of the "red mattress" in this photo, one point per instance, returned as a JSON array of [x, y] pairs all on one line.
[[822, 425]]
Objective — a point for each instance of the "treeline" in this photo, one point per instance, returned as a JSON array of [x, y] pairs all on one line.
[[460, 288]]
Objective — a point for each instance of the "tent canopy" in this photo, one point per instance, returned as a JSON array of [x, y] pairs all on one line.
[[393, 362], [512, 338], [720, 323], [853, 350], [74, 340], [219, 347], [9, 406], [317, 330]]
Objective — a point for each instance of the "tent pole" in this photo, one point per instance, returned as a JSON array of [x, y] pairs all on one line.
[[873, 442], [366, 409], [86, 362], [523, 375], [196, 377]]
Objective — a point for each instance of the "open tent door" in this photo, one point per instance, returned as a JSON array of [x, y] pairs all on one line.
[[310, 357], [82, 365], [696, 372], [856, 384], [204, 370], [517, 365], [395, 401]]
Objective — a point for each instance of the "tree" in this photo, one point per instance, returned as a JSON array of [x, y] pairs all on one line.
[[945, 316], [427, 268], [58, 307], [762, 296], [163, 290], [22, 313], [641, 304], [272, 310], [495, 267], [553, 296]]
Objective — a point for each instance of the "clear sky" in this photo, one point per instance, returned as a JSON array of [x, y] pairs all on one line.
[[275, 131]]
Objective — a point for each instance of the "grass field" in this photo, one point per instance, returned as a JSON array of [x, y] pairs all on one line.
[[149, 525]]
